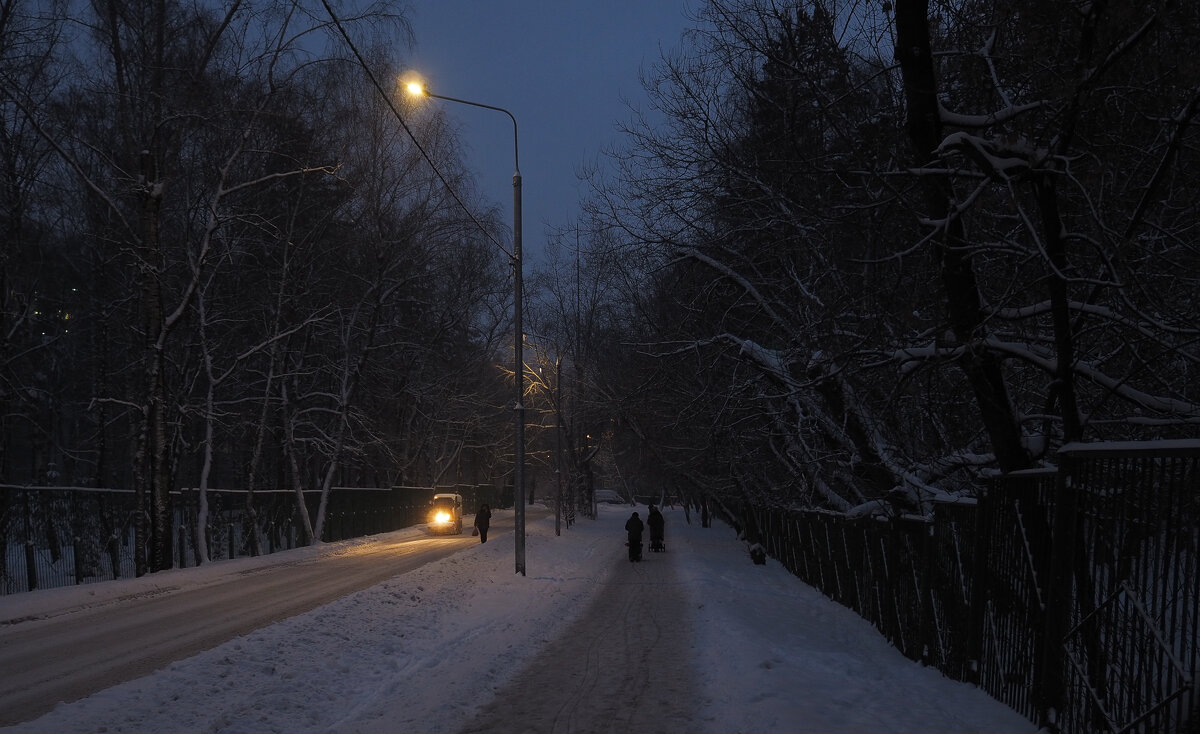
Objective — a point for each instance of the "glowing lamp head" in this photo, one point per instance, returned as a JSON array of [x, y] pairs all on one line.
[[416, 89]]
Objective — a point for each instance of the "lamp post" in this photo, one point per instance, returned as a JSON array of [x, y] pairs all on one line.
[[418, 89], [558, 480]]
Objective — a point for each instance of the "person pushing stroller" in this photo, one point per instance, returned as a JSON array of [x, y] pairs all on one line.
[[656, 523]]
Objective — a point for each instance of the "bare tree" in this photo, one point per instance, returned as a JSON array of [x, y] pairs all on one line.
[[866, 326]]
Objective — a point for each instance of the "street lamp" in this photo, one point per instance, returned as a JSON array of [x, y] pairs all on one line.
[[419, 90]]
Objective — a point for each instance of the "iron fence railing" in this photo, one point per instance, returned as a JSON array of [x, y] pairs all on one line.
[[1072, 595], [1131, 634]]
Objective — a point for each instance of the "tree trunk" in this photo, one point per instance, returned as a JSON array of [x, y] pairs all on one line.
[[963, 302], [289, 447], [155, 457]]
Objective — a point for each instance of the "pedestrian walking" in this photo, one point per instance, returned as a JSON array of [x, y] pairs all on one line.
[[657, 524], [483, 518], [634, 526]]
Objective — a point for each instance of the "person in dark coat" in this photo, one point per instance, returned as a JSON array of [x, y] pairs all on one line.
[[634, 527], [657, 523], [483, 518]]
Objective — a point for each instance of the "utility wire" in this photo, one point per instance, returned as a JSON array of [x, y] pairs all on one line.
[[400, 118]]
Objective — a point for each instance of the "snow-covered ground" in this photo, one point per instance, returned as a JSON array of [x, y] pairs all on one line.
[[422, 651]]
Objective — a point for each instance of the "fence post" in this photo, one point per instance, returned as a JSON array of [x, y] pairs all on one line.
[[76, 553], [77, 542], [1050, 678], [30, 556], [30, 566], [926, 583], [181, 543], [981, 581], [231, 542], [114, 554]]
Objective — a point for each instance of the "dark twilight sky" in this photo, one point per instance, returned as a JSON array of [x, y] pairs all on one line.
[[561, 67]]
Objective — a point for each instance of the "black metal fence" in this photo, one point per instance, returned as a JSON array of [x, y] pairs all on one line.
[[66, 535], [1073, 595]]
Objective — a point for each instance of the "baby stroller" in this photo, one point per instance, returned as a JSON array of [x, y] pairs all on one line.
[[656, 524], [656, 542]]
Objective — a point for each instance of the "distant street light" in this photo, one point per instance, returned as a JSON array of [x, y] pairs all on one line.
[[419, 90]]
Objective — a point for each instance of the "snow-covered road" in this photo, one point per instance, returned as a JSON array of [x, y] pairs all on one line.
[[68, 651]]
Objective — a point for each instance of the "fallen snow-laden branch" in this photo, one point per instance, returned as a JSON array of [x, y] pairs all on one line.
[[769, 362], [815, 478], [858, 420], [882, 448], [866, 423], [813, 472]]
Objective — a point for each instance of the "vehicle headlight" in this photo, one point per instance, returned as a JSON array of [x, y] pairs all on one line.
[[442, 517]]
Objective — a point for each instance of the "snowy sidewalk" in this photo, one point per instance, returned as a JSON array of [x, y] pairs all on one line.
[[621, 667], [776, 655], [699, 639]]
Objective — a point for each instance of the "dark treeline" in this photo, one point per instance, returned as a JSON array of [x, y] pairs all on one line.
[[863, 253], [226, 264]]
